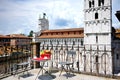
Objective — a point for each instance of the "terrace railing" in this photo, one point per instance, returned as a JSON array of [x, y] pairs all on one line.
[[8, 60], [90, 59]]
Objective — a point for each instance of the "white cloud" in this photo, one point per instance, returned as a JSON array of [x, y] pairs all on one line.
[[24, 14]]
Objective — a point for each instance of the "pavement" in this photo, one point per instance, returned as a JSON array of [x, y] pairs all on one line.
[[54, 76]]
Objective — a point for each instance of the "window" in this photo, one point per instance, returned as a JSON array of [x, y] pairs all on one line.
[[81, 42], [89, 4], [93, 3], [99, 2], [102, 1], [96, 59], [117, 56], [96, 39], [96, 15]]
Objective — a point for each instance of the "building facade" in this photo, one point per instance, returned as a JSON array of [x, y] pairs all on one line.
[[60, 41], [14, 43]]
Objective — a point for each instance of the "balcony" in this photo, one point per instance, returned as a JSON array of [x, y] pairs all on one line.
[[78, 66]]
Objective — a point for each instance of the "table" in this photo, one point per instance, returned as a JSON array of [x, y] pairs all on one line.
[[42, 66], [67, 64], [24, 65]]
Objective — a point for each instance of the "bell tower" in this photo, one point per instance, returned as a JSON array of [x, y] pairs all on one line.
[[98, 21], [97, 36], [43, 23]]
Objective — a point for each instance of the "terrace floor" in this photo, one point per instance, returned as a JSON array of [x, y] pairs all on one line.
[[33, 73]]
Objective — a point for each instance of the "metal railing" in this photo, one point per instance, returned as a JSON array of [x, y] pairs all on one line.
[[90, 59], [8, 60]]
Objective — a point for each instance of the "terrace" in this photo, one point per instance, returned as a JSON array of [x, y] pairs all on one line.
[[9, 72], [33, 74]]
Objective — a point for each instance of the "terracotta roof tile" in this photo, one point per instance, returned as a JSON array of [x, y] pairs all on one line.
[[63, 30], [4, 36], [18, 36], [14, 36], [63, 33]]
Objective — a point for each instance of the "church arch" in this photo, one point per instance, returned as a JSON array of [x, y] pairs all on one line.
[[96, 61], [105, 62]]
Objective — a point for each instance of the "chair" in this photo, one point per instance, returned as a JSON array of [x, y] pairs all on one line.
[[14, 69], [71, 56], [68, 65], [26, 66], [29, 62]]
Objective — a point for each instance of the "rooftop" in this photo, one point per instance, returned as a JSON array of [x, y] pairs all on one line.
[[63, 33], [15, 36]]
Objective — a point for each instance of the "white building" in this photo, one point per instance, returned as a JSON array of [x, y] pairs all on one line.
[[97, 36]]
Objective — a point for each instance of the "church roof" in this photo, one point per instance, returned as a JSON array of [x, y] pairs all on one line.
[[63, 33], [18, 36], [68, 33]]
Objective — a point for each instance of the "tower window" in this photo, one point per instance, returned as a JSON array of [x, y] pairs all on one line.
[[99, 2], [102, 1], [96, 39], [89, 4], [96, 15], [93, 3]]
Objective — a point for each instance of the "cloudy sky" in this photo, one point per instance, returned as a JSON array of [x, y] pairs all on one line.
[[21, 16]]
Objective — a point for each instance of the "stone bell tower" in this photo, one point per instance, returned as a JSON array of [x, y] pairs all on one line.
[[97, 36], [43, 23], [98, 21]]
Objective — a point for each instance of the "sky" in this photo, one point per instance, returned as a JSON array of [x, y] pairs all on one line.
[[21, 16]]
